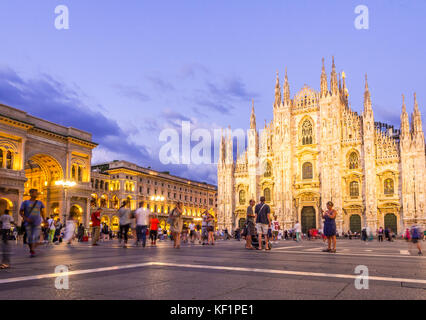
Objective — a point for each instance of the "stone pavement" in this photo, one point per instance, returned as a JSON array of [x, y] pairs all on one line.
[[225, 271]]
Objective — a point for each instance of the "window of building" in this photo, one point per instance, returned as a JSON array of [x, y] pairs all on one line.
[[73, 173], [242, 197], [353, 160], [389, 186], [354, 189], [307, 132], [267, 194], [307, 170]]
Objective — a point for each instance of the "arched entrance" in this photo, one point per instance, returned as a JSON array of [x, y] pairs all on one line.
[[77, 212], [355, 223], [308, 219], [115, 223], [391, 222], [5, 204]]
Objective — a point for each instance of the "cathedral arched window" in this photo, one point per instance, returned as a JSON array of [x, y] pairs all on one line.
[[9, 160], [354, 189], [307, 132], [353, 161], [80, 174], [242, 197], [389, 186], [267, 194], [307, 171], [268, 169]]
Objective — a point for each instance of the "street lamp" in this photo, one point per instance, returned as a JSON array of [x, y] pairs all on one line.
[[65, 184]]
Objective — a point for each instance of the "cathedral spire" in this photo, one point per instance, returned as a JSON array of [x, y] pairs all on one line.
[[252, 117], [333, 80], [405, 125], [367, 96], [277, 102], [286, 86], [416, 118], [324, 84]]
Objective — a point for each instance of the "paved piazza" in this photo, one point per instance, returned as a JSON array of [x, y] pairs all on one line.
[[226, 271]]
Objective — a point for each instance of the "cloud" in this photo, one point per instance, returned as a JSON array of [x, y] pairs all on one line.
[[50, 99], [131, 92], [160, 84]]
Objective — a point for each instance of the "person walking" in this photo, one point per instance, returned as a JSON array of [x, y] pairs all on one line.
[[204, 232], [32, 212], [176, 224], [70, 227], [80, 232], [330, 226], [210, 228], [51, 229], [142, 221], [6, 221], [298, 230], [58, 228], [96, 226], [250, 225], [263, 222], [275, 227], [153, 229], [416, 233], [124, 215]]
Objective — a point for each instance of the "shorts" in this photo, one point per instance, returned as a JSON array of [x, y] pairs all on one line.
[[191, 233], [414, 240], [33, 233], [262, 228], [153, 234], [210, 229], [251, 229]]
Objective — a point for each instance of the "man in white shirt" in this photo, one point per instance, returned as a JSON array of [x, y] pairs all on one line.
[[142, 222], [298, 230], [192, 232], [6, 220], [52, 228]]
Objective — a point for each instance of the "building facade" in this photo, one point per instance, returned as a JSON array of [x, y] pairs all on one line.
[[35, 153], [116, 181], [315, 150]]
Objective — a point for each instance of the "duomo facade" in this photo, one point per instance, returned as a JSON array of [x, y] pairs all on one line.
[[317, 149]]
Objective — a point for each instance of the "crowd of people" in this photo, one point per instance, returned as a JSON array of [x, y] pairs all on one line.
[[260, 230]]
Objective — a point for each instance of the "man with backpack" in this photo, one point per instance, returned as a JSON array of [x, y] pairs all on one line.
[[415, 238], [32, 212], [263, 222]]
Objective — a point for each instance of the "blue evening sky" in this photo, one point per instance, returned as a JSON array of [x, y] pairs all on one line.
[[127, 69]]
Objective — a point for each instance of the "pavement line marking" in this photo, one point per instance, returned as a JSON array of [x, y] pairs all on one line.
[[296, 273], [353, 254], [291, 247], [405, 252], [71, 273], [198, 266]]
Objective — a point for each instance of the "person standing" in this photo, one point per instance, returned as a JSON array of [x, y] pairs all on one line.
[[176, 224], [58, 228], [263, 222], [96, 226], [250, 225], [330, 226], [51, 229], [32, 212], [124, 220], [6, 221], [380, 234], [298, 230], [142, 220], [153, 229], [275, 226], [192, 232], [80, 232], [204, 232]]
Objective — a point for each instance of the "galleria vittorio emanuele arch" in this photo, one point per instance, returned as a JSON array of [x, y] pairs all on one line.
[[317, 149]]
